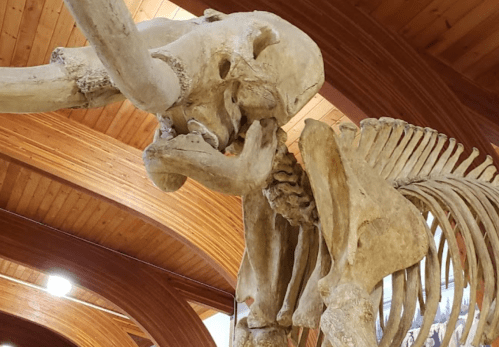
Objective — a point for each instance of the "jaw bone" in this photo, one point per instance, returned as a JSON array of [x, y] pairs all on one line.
[[190, 155]]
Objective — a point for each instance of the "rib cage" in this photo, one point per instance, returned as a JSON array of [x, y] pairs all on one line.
[[422, 165]]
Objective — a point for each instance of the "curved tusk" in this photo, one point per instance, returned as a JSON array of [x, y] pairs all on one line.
[[38, 89]]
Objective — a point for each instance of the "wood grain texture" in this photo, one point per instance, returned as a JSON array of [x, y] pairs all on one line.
[[115, 171], [83, 326], [13, 330], [152, 303], [373, 67], [97, 221]]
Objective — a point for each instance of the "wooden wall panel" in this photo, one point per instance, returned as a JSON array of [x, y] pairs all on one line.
[[153, 303]]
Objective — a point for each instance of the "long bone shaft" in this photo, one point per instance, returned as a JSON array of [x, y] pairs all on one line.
[[149, 83], [76, 77]]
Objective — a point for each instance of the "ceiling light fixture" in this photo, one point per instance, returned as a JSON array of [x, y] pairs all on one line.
[[58, 286]]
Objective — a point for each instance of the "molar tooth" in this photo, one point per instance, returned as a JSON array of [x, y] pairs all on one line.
[[166, 130], [196, 127]]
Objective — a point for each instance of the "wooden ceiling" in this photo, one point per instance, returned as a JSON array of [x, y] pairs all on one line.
[[79, 171]]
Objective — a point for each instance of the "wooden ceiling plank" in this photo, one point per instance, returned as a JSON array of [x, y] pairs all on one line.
[[167, 9], [147, 141], [62, 31], [147, 10], [17, 191], [131, 126], [149, 297], [490, 79], [92, 116], [39, 194], [4, 164], [403, 14], [93, 221], [28, 193], [479, 50], [426, 17], [78, 227], [76, 211], [146, 248], [121, 118], [145, 131], [82, 325], [66, 208], [26, 274], [10, 30], [129, 225], [44, 31], [483, 65], [322, 108], [182, 14], [478, 33], [429, 35], [387, 9], [83, 158], [56, 205], [27, 32], [47, 200], [133, 6], [333, 117], [316, 99], [483, 103], [107, 223], [463, 26], [78, 115], [19, 271], [3, 11], [115, 230], [14, 330], [76, 38], [11, 269], [107, 116], [366, 5]]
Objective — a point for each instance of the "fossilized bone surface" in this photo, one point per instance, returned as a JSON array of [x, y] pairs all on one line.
[[319, 240]]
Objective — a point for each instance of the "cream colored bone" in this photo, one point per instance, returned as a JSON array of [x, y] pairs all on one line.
[[360, 216]]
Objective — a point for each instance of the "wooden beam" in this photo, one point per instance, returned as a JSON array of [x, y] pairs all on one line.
[[82, 325], [482, 104], [374, 68], [141, 291], [13, 330], [209, 222]]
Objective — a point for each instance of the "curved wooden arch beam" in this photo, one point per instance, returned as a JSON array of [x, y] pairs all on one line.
[[83, 326], [373, 67], [154, 305], [13, 330], [209, 222]]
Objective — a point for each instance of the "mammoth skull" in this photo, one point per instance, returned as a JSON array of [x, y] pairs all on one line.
[[241, 75]]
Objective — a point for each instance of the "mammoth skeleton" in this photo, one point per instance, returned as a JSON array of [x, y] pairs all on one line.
[[319, 240]]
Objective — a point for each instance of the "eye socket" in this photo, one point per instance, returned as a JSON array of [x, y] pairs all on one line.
[[224, 68], [266, 37]]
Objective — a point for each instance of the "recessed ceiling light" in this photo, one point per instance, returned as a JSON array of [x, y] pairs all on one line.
[[6, 345], [58, 286]]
